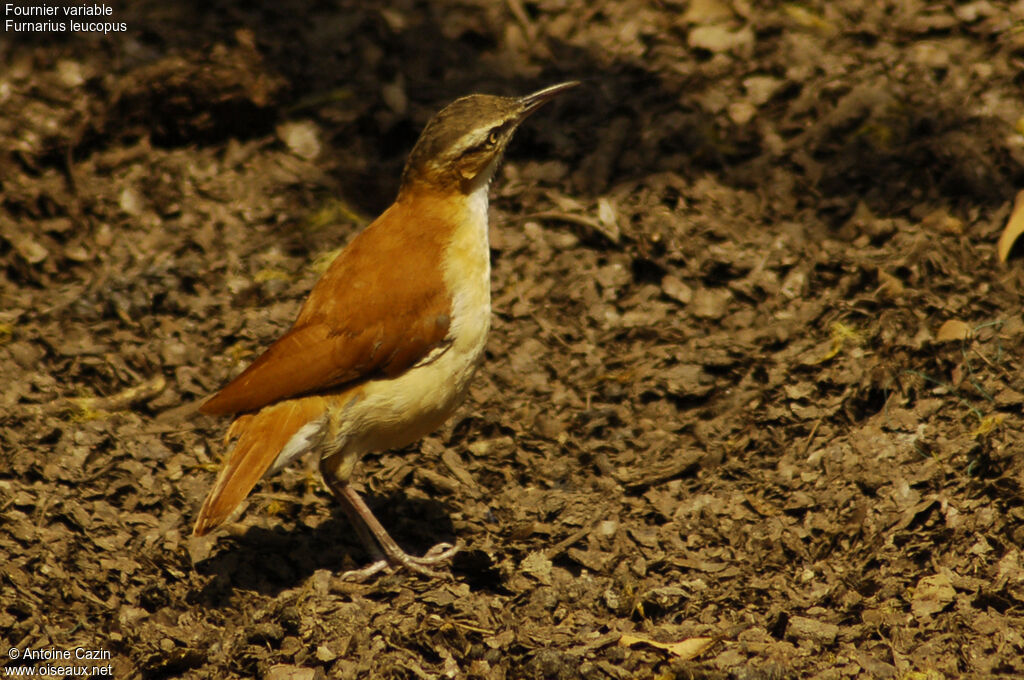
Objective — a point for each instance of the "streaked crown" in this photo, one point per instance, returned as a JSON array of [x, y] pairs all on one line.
[[461, 146]]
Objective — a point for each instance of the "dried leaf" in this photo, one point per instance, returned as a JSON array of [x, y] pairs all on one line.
[[684, 649], [889, 285], [941, 221], [760, 89], [537, 565], [841, 336], [988, 425], [953, 329], [742, 113], [676, 289], [301, 137], [931, 595], [130, 201], [711, 303], [608, 217], [1014, 227], [284, 672], [804, 628], [718, 38], [808, 19], [707, 12], [30, 249]]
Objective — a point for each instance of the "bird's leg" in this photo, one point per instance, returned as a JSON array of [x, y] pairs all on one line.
[[386, 552]]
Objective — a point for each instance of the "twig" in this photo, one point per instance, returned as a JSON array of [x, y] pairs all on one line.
[[593, 225], [810, 437], [142, 392], [563, 545]]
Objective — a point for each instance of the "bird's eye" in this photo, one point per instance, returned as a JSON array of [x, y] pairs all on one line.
[[492, 139]]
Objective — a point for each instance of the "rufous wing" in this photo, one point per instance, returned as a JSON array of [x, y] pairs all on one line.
[[380, 307], [312, 359]]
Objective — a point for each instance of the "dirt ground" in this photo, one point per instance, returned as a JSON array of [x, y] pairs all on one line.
[[755, 373]]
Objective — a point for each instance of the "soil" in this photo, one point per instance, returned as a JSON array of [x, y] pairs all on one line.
[[755, 372]]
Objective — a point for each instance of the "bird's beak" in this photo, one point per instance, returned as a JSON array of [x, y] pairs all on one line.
[[532, 102]]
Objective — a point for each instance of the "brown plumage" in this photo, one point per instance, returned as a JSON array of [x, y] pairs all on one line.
[[363, 319], [383, 349], [256, 439]]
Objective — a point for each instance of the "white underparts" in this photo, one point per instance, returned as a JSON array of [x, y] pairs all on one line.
[[301, 442]]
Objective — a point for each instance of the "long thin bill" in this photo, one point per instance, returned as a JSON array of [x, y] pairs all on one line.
[[532, 102]]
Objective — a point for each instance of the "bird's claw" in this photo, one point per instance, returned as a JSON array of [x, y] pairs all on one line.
[[442, 552]]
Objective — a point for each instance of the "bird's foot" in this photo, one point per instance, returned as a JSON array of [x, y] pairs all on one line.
[[395, 560]]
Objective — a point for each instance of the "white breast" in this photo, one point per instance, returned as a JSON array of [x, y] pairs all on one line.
[[468, 274]]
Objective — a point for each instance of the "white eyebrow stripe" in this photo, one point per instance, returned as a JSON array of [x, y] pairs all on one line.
[[471, 139]]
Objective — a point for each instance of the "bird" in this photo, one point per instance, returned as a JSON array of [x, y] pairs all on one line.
[[385, 345]]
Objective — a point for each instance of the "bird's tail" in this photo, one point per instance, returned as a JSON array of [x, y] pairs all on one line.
[[281, 431]]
